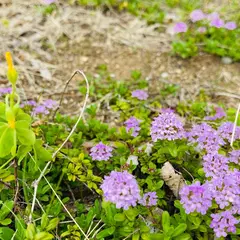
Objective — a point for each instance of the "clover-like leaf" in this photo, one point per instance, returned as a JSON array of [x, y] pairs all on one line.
[[8, 142], [23, 116], [23, 150], [25, 136], [2, 111]]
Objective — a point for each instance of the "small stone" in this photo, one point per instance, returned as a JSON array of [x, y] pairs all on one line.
[[179, 71], [84, 59], [227, 60], [132, 159], [164, 75]]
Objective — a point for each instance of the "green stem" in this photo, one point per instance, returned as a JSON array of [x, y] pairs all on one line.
[[7, 162], [12, 96], [56, 189], [25, 191]]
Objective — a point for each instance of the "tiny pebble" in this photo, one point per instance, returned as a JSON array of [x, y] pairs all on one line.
[[226, 60], [178, 71], [164, 75]]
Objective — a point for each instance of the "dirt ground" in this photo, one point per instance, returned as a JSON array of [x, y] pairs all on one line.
[[48, 49]]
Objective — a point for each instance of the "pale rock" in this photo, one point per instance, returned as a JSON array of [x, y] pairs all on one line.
[[148, 149], [164, 75], [132, 159], [227, 60]]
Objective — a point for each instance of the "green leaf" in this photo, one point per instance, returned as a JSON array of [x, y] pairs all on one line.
[[156, 236], [90, 216], [20, 228], [9, 178], [159, 184], [119, 217], [3, 127], [5, 222], [203, 228], [131, 213], [25, 136], [2, 111], [7, 142], [52, 224], [195, 220], [44, 221], [184, 236], [24, 116], [173, 150], [6, 209], [179, 229], [6, 233], [105, 233], [22, 124], [43, 236], [136, 236], [41, 153], [109, 212], [23, 150], [30, 232], [4, 173], [165, 221]]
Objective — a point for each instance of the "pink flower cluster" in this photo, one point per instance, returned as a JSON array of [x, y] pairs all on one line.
[[213, 19], [44, 108], [101, 152], [223, 185], [48, 2]]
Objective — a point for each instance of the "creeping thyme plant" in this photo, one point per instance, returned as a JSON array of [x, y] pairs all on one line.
[[207, 31], [145, 171]]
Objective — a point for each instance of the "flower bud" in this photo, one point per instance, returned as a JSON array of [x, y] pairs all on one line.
[[12, 74]]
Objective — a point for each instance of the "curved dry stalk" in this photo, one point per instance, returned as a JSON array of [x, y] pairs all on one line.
[[64, 90], [59, 199], [235, 125], [36, 182]]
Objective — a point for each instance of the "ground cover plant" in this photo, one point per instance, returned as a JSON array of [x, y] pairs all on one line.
[[209, 32], [144, 171]]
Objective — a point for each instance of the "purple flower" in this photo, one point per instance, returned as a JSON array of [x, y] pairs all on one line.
[[215, 165], [167, 126], [180, 27], [226, 130], [217, 22], [101, 152], [121, 188], [223, 223], [213, 15], [206, 137], [218, 115], [167, 110], [197, 15], [225, 189], [234, 156], [140, 94], [50, 104], [40, 110], [196, 197], [149, 199], [30, 103], [4, 91], [230, 25], [202, 29], [133, 124], [236, 204], [48, 2]]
